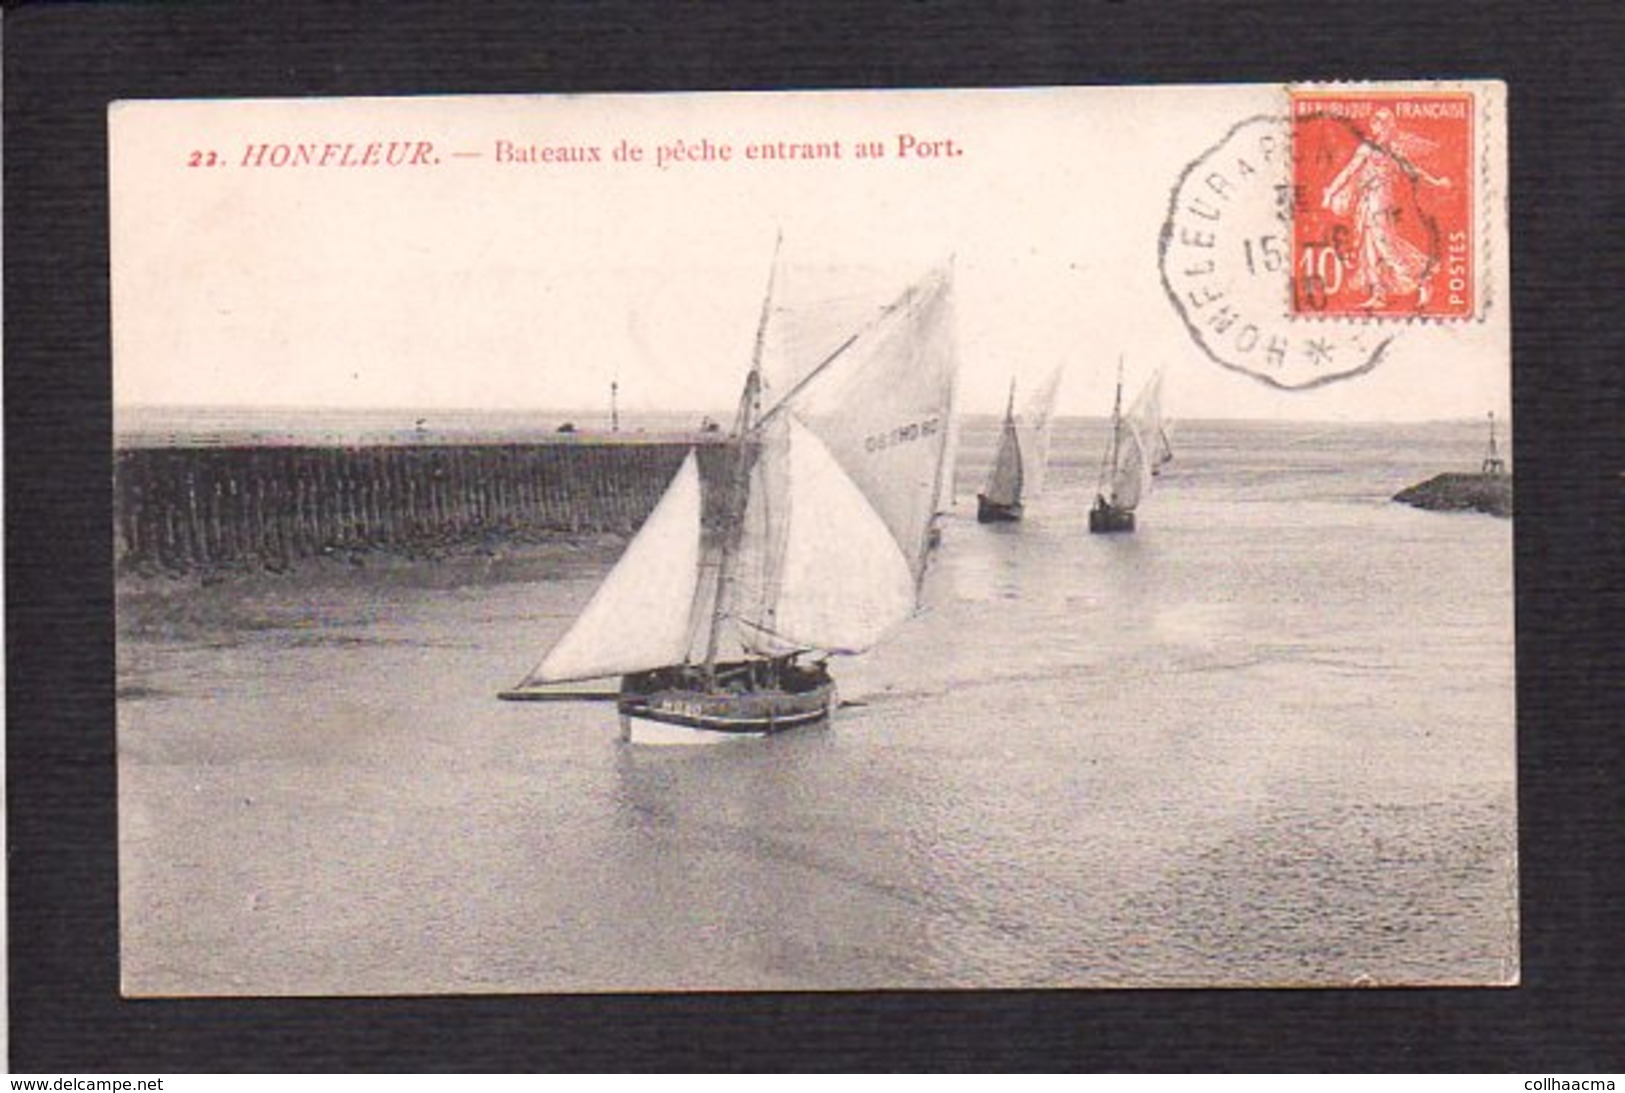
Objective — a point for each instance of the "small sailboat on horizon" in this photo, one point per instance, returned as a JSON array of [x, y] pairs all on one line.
[[1020, 462], [1135, 454], [822, 546], [1000, 499]]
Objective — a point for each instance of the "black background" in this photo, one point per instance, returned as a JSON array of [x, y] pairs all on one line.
[[64, 63]]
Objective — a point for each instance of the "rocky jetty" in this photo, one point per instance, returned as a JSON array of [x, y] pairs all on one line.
[[1487, 493]]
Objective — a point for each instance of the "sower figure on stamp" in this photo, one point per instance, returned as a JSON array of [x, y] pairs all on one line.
[[1371, 183]]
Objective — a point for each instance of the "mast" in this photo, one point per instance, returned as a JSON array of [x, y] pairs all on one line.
[[745, 426], [946, 463], [945, 458]]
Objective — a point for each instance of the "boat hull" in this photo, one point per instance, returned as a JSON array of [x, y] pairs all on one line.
[[743, 709], [992, 512], [1107, 519]]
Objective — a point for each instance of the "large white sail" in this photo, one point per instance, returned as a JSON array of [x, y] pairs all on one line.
[[747, 605], [814, 311], [881, 408], [1033, 431], [845, 472], [817, 568], [638, 618]]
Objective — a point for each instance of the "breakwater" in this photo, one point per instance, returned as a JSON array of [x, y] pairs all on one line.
[[1487, 493], [187, 509]]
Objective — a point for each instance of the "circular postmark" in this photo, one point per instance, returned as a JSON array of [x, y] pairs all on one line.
[[1227, 263]]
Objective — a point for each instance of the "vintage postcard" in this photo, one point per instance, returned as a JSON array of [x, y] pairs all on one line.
[[1052, 537]]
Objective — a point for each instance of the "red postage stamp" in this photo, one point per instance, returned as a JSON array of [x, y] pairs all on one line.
[[1382, 221]]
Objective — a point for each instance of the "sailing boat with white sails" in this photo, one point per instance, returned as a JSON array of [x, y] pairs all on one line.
[[1022, 456], [1136, 452], [1000, 499], [830, 494]]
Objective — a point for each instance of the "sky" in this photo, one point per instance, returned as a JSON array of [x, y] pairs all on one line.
[[496, 278]]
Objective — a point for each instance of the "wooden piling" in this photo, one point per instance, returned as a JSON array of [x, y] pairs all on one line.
[[187, 509]]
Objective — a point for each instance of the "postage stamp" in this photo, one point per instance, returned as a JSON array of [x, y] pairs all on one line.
[[1382, 204], [1300, 244]]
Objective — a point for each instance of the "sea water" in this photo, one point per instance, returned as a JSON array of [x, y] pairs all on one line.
[[1266, 739]]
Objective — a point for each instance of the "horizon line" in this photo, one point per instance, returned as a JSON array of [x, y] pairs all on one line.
[[722, 417]]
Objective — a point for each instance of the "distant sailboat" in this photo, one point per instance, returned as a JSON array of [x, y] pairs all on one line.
[[822, 550], [1164, 450], [1022, 458], [1160, 429], [1000, 499], [1033, 430], [1137, 450]]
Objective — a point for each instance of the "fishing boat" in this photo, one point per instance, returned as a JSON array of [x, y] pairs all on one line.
[[820, 548], [1135, 453], [1023, 454], [1000, 499]]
